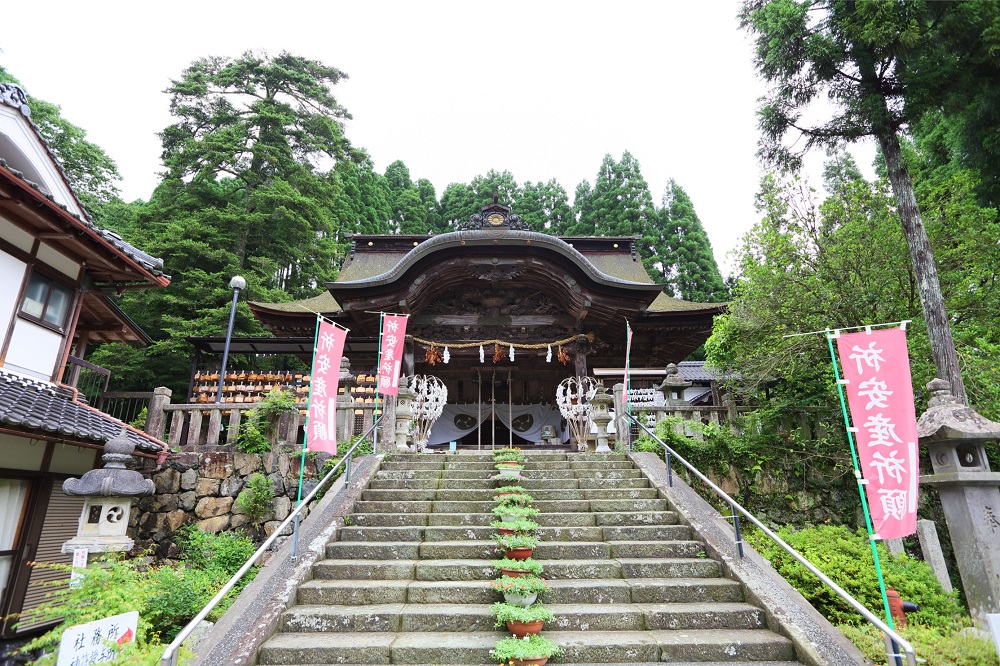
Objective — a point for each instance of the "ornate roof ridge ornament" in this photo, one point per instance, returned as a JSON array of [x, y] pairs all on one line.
[[494, 215], [13, 95], [114, 479]]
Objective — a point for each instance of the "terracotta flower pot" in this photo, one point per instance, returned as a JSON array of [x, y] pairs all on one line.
[[504, 530], [522, 629], [505, 494], [519, 553], [537, 661], [509, 463], [514, 573]]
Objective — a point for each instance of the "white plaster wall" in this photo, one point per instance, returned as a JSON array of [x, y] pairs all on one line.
[[21, 453], [33, 350], [69, 459], [57, 260], [22, 149], [11, 277], [16, 236]]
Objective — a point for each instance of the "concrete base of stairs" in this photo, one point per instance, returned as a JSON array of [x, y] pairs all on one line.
[[817, 642], [256, 613]]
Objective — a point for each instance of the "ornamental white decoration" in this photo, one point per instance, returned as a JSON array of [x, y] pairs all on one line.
[[447, 354], [427, 405], [482, 355], [512, 352], [573, 399], [548, 355]]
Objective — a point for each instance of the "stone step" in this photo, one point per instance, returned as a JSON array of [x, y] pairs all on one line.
[[546, 550], [551, 475], [645, 663], [486, 507], [468, 495], [567, 591], [576, 519], [477, 617], [578, 646], [529, 484], [433, 534]]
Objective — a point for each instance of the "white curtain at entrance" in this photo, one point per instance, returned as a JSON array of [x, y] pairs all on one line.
[[459, 420], [12, 494]]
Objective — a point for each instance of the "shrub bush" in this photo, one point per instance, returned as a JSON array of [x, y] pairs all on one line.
[[256, 499], [846, 558], [939, 647]]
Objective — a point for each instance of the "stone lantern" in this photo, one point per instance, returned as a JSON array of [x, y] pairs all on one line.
[[601, 416], [955, 435], [109, 493], [345, 402], [404, 413], [672, 387]]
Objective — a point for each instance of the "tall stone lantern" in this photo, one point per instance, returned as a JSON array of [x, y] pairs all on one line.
[[673, 386], [404, 413], [954, 435], [108, 494], [601, 416]]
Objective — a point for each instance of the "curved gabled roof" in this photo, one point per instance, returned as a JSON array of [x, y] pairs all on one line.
[[489, 239]]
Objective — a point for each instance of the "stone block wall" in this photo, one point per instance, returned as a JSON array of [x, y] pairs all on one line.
[[202, 488]]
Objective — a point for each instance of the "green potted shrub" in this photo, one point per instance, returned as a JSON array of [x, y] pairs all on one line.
[[514, 499], [520, 590], [511, 513], [520, 526], [515, 568], [533, 649], [510, 490], [506, 476], [509, 465], [515, 546], [521, 621], [508, 454]]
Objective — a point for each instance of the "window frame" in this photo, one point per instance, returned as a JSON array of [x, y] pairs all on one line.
[[52, 283]]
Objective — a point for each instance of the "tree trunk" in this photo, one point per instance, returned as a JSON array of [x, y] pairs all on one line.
[[924, 268]]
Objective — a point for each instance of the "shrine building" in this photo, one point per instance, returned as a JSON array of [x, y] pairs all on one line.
[[474, 294]]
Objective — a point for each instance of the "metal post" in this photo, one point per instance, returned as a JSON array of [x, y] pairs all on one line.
[[237, 284], [347, 469], [736, 528], [670, 473]]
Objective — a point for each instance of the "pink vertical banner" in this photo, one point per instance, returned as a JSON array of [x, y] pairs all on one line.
[[391, 353], [876, 374], [628, 364], [322, 427]]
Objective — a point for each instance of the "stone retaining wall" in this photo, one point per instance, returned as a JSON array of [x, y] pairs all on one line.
[[202, 488]]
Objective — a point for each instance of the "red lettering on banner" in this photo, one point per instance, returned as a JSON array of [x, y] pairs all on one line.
[[879, 390], [391, 353], [321, 435]]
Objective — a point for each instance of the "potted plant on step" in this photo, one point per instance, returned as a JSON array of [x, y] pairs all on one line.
[[532, 649], [508, 465], [515, 568], [509, 490], [509, 514], [514, 499], [515, 546], [506, 476], [521, 621], [520, 590], [520, 526], [510, 454]]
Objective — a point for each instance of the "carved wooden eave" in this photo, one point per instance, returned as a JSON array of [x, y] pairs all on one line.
[[492, 259]]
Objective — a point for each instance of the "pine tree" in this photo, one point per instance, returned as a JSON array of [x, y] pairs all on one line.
[[688, 264], [545, 206]]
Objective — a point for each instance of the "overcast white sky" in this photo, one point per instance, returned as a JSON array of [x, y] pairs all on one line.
[[453, 89]]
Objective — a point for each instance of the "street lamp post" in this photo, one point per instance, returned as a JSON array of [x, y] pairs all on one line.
[[236, 284]]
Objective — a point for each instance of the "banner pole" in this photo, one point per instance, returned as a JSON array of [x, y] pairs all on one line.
[[305, 442], [861, 486], [378, 379], [628, 382]]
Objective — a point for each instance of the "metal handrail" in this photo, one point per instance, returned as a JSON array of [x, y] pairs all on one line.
[[169, 657], [892, 639]]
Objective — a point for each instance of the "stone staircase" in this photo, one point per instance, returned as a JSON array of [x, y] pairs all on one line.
[[407, 582]]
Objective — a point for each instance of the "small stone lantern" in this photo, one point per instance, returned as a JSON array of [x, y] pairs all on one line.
[[672, 387], [954, 435], [601, 416], [345, 401], [404, 413], [109, 493]]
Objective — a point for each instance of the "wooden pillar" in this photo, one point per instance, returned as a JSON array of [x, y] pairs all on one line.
[[407, 368], [580, 357]]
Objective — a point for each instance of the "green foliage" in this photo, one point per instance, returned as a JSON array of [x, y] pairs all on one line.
[[520, 585], [513, 454], [516, 525], [256, 499], [223, 553], [505, 542], [515, 511], [935, 645], [527, 564], [846, 558], [532, 645], [166, 597], [517, 499], [510, 489], [504, 612], [688, 265], [252, 438], [140, 419], [259, 422]]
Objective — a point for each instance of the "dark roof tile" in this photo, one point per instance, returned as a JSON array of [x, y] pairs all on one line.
[[37, 405]]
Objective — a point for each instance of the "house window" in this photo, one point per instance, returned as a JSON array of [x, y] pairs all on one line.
[[46, 300]]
